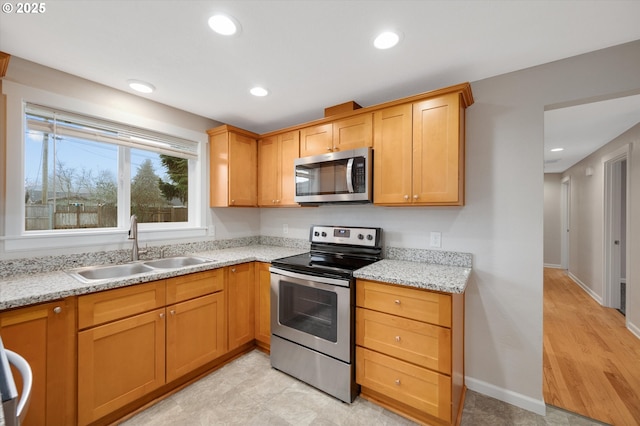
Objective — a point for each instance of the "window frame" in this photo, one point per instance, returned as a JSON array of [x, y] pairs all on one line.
[[17, 238]]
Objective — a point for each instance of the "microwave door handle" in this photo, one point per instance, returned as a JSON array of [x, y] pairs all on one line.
[[350, 175]]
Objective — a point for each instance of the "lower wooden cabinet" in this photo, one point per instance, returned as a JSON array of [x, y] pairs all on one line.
[[195, 334], [45, 336], [241, 305], [133, 343], [410, 350], [119, 362], [263, 305]]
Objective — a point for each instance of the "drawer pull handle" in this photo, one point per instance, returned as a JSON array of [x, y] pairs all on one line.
[[397, 338], [398, 382], [397, 301], [57, 310]]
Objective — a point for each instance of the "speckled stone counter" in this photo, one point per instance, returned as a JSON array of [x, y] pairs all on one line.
[[428, 269], [28, 289]]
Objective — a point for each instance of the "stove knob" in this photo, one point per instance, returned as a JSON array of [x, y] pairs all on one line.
[[369, 237], [360, 237], [324, 234], [316, 233]]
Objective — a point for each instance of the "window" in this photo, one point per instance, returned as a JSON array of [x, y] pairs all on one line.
[[86, 173]]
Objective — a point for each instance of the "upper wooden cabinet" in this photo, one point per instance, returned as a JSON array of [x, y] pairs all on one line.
[[419, 152], [276, 182], [340, 135], [233, 167]]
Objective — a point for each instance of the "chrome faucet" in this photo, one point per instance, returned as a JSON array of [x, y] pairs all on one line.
[[133, 235]]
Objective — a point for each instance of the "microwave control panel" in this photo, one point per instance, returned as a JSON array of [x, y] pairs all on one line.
[[357, 236]]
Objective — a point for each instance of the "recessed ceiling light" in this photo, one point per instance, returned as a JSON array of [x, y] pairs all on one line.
[[259, 91], [557, 149], [141, 86], [386, 40], [224, 24]]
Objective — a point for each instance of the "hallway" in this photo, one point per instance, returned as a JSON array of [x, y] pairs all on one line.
[[591, 361]]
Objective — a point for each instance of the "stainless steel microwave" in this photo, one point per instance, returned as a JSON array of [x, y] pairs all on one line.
[[335, 177]]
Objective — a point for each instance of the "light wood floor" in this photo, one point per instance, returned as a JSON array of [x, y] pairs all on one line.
[[591, 361]]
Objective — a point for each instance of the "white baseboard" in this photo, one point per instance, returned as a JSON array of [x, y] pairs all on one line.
[[552, 265], [633, 329], [590, 292], [525, 402]]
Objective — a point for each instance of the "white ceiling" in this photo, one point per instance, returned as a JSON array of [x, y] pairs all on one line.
[[310, 54]]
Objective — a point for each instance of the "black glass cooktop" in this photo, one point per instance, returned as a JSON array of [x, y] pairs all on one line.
[[323, 264]]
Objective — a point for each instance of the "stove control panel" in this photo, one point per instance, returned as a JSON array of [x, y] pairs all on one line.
[[367, 237]]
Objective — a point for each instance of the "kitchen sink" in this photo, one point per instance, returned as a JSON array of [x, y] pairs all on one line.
[[92, 273], [177, 262], [95, 273]]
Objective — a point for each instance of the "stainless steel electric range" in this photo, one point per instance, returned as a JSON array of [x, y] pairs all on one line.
[[313, 307]]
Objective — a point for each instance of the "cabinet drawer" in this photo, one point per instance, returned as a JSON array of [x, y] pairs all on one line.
[[110, 305], [420, 305], [194, 285], [417, 342], [417, 387]]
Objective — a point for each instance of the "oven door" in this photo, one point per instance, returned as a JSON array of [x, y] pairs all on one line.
[[314, 312]]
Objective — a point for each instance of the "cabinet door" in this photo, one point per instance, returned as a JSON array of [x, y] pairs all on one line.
[[438, 151], [289, 151], [196, 334], [119, 362], [263, 305], [354, 132], [392, 160], [45, 336], [268, 173], [241, 312], [316, 140], [243, 170]]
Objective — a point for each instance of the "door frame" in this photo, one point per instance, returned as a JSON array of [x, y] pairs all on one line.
[[612, 205], [565, 211]]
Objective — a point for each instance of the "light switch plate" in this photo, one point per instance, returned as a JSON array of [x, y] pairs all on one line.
[[436, 240]]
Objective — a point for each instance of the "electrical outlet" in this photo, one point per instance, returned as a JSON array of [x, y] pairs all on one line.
[[285, 229], [436, 240]]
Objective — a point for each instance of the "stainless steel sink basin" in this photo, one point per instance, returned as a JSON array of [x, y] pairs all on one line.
[[177, 262], [93, 273]]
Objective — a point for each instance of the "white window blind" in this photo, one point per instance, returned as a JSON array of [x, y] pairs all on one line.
[[49, 120]]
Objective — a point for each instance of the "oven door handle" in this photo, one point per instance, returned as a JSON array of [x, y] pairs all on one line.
[[324, 280]]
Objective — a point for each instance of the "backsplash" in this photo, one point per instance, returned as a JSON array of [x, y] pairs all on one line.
[[42, 264]]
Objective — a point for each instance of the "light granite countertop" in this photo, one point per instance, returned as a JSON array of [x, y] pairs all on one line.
[[445, 278], [433, 270], [28, 289]]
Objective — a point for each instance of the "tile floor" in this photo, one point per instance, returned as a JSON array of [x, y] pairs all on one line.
[[248, 391]]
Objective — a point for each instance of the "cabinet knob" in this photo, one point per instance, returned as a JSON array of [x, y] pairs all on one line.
[[398, 382], [277, 201], [57, 310], [397, 338], [406, 197], [329, 148], [233, 201], [162, 315], [273, 201], [172, 312], [233, 269], [397, 301], [415, 197]]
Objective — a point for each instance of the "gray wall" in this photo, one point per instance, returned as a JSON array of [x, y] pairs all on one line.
[[587, 206], [502, 222]]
